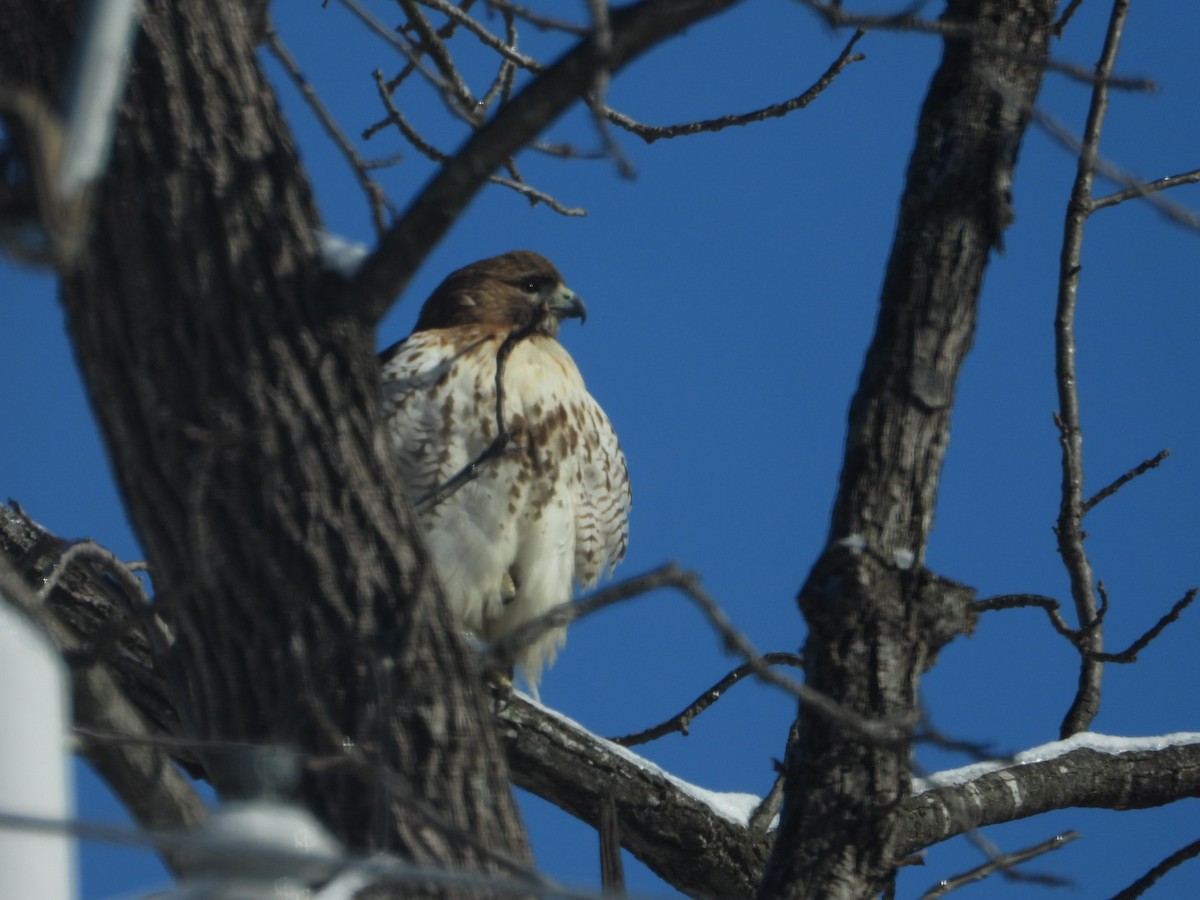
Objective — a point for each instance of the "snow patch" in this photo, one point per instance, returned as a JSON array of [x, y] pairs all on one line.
[[730, 806], [339, 254], [1101, 743], [855, 543]]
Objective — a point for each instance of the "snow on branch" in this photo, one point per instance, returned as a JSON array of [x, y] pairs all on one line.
[[1084, 770], [708, 841]]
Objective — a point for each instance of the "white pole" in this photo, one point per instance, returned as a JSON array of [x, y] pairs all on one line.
[[97, 83], [34, 765]]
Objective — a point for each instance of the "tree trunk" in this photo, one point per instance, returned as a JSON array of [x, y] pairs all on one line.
[[876, 617], [239, 403]]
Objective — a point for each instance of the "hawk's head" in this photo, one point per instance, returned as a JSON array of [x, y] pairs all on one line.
[[508, 291]]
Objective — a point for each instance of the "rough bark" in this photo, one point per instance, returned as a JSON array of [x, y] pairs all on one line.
[[675, 833], [875, 620], [242, 419]]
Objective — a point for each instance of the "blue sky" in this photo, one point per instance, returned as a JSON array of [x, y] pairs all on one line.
[[731, 290]]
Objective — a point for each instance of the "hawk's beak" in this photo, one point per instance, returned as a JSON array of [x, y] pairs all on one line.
[[568, 305]]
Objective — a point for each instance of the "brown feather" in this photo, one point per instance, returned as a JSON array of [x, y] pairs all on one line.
[[488, 292]]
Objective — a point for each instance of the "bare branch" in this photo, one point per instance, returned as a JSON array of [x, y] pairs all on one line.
[[1069, 529], [1081, 638], [880, 731], [681, 721], [559, 760], [414, 59], [535, 196], [376, 197], [1078, 772], [1130, 654], [545, 23], [506, 77], [1143, 190], [1140, 469], [635, 29], [1110, 170], [1143, 884], [507, 50], [432, 45], [432, 153], [908, 21], [1004, 863], [597, 97], [1061, 25], [652, 133], [1018, 601]]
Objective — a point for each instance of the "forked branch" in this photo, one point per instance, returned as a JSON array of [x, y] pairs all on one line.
[[1069, 528]]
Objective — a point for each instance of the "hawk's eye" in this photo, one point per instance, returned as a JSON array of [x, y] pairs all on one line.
[[532, 285]]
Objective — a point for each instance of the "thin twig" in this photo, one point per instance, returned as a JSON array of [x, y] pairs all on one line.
[[1130, 653], [1060, 26], [878, 731], [507, 50], [387, 271], [431, 44], [1019, 601], [535, 196], [597, 97], [1140, 469], [1143, 884], [395, 117], [1079, 637], [1004, 864], [376, 196], [907, 21], [1070, 518], [652, 133], [414, 59], [681, 721], [1110, 170], [506, 78], [544, 23], [1143, 190], [444, 33]]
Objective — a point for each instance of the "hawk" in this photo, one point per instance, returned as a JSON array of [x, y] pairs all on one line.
[[519, 500]]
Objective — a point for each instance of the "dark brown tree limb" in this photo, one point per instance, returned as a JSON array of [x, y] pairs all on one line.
[[876, 618], [681, 838]]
